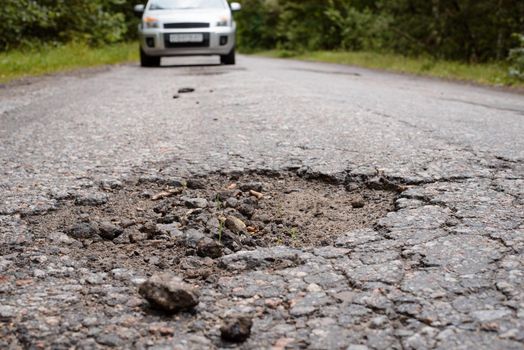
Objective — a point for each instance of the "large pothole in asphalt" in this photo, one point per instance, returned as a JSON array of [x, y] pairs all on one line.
[[159, 221]]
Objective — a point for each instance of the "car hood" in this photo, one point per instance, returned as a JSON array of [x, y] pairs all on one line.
[[200, 15]]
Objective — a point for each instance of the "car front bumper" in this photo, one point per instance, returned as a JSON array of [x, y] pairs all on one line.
[[218, 41]]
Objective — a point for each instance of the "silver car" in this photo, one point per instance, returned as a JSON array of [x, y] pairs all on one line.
[[186, 28]]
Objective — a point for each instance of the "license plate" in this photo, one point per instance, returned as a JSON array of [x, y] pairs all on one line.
[[186, 38]]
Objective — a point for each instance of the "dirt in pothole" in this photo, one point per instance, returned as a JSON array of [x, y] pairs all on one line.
[[164, 222]]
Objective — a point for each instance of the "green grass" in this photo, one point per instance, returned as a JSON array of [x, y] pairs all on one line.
[[23, 63], [484, 73]]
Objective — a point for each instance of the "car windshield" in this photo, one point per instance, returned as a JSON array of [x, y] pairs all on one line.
[[186, 4]]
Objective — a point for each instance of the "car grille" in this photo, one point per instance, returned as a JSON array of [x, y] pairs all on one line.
[[169, 44], [185, 25]]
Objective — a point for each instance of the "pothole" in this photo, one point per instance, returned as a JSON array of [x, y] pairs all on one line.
[[160, 222]]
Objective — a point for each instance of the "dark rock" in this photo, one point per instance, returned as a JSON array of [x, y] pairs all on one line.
[[225, 194], [246, 210], [251, 186], [232, 202], [358, 203], [163, 208], [91, 199], [124, 237], [150, 228], [175, 96], [174, 182], [110, 184], [236, 329], [196, 184], [208, 247], [168, 219], [169, 293], [84, 230], [195, 202], [109, 231], [171, 230], [185, 90]]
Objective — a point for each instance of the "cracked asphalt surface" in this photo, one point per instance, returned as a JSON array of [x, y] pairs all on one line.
[[443, 270]]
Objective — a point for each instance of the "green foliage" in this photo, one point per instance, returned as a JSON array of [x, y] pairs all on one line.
[[255, 24], [466, 30], [26, 23], [356, 29], [516, 59]]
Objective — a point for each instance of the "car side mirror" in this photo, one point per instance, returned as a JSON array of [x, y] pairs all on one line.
[[139, 10], [235, 6]]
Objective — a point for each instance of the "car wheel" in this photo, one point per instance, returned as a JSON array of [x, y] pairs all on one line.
[[148, 61], [229, 58]]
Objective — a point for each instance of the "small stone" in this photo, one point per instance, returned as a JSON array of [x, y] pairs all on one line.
[[7, 312], [37, 273], [378, 322], [169, 293], [232, 202], [92, 199], [246, 210], [236, 329], [171, 230], [176, 96], [150, 228], [192, 237], [127, 223], [235, 224], [256, 194], [123, 238], [109, 231], [168, 219], [166, 194], [60, 237], [83, 230], [195, 202], [208, 247], [196, 184], [314, 288], [251, 186], [110, 184], [111, 340]]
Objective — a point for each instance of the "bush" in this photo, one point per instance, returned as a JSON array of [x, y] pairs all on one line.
[[516, 59], [33, 22], [358, 29], [466, 30]]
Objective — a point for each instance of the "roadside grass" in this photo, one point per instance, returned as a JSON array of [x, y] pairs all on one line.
[[52, 59], [481, 73]]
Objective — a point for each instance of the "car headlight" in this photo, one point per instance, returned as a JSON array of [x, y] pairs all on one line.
[[151, 22], [223, 22]]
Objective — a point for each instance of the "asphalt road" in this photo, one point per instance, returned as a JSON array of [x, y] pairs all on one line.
[[445, 269]]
